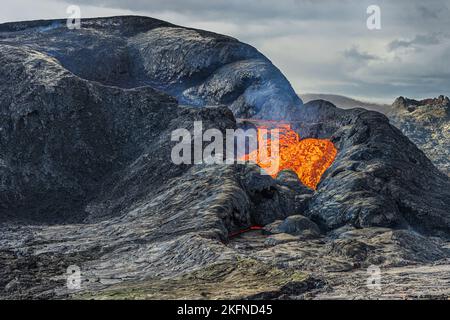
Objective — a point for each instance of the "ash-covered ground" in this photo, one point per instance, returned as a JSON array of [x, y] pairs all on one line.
[[86, 176]]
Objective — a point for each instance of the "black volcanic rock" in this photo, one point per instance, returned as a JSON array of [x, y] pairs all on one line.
[[86, 177], [379, 177], [296, 225], [61, 135], [195, 66], [427, 124]]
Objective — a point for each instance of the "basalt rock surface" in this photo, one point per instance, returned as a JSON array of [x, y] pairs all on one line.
[[195, 66], [379, 177], [86, 176], [427, 124]]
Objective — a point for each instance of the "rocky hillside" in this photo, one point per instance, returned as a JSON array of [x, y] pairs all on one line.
[[86, 176], [345, 102], [427, 124], [195, 66]]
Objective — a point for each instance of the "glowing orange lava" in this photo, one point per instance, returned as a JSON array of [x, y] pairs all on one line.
[[309, 158]]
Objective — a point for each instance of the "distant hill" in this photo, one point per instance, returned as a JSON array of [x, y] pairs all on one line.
[[344, 102]]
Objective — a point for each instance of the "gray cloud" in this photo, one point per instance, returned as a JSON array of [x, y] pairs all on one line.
[[428, 13], [418, 40], [237, 9], [354, 53]]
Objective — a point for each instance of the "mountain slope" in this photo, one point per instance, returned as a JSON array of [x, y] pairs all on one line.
[[195, 66], [427, 124]]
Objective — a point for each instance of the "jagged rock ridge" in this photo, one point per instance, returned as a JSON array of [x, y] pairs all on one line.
[[427, 124]]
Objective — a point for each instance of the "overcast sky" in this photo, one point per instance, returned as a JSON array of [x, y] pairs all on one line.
[[321, 46]]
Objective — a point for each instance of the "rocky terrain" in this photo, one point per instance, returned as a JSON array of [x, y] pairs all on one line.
[[427, 124], [86, 177], [424, 122]]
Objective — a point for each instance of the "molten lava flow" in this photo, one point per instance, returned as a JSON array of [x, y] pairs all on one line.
[[309, 158]]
